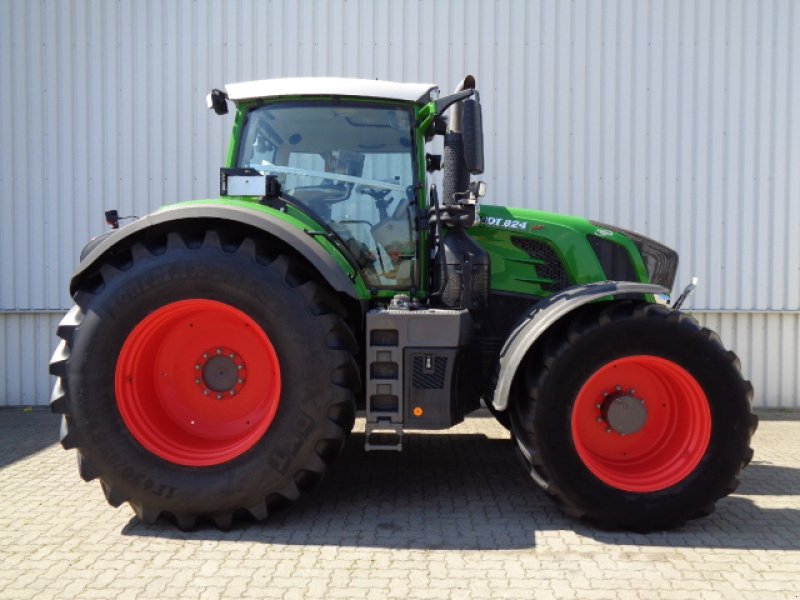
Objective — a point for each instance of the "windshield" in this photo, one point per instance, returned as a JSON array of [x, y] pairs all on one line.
[[352, 166]]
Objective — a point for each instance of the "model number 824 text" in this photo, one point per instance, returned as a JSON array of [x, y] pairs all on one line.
[[505, 223]]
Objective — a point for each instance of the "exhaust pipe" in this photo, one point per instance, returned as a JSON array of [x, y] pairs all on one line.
[[455, 126]]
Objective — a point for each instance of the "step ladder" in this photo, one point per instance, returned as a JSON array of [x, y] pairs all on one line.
[[384, 427], [392, 433]]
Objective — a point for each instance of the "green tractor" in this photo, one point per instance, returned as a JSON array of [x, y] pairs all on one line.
[[219, 350]]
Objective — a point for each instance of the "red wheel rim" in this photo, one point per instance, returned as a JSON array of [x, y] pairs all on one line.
[[197, 382], [641, 423]]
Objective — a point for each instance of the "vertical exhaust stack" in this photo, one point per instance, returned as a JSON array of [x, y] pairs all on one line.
[[462, 273], [455, 174]]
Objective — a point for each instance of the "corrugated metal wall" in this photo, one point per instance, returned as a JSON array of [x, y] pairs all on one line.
[[674, 118]]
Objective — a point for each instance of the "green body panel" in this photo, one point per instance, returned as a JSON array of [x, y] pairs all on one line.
[[293, 218], [514, 271], [236, 134]]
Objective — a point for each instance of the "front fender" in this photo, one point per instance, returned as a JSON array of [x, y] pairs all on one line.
[[296, 238], [546, 313]]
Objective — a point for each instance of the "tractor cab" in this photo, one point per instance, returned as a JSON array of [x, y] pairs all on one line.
[[350, 154], [350, 165]]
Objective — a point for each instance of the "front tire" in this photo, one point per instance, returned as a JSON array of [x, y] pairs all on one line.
[[638, 418], [202, 378]]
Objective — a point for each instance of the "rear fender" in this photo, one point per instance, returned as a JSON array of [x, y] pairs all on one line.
[[543, 316], [297, 239]]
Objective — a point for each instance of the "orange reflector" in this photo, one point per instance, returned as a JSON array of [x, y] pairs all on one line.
[[417, 411]]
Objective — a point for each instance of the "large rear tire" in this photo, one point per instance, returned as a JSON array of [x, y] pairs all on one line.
[[202, 378], [637, 418]]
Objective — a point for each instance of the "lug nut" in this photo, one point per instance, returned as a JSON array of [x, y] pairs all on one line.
[[608, 430], [206, 392], [241, 381], [632, 391], [599, 419], [233, 355], [618, 388], [598, 406], [197, 367], [232, 392], [219, 350], [197, 381], [240, 367], [219, 396]]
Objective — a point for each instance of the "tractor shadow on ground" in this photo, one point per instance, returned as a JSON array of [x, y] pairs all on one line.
[[469, 492], [26, 432]]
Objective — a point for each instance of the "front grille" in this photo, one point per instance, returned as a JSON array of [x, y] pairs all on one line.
[[660, 261], [548, 265], [615, 260]]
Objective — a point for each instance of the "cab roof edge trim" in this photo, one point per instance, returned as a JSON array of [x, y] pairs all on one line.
[[420, 93]]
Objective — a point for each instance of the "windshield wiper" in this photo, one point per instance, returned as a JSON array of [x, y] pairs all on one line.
[[325, 175]]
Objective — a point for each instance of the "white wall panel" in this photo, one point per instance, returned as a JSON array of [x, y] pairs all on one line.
[[675, 118], [26, 344], [768, 345]]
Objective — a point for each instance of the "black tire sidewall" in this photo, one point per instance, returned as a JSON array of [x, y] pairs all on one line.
[[261, 292], [705, 360]]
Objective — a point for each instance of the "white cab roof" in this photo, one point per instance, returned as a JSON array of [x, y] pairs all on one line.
[[331, 86]]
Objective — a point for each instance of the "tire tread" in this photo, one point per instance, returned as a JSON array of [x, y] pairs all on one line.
[[523, 411], [321, 305]]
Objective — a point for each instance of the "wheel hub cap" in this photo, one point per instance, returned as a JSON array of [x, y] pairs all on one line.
[[220, 374], [626, 414]]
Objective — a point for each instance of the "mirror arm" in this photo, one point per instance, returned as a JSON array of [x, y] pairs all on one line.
[[442, 104]]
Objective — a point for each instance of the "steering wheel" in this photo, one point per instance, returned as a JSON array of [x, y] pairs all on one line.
[[379, 195]]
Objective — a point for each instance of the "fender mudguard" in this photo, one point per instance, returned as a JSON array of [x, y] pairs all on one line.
[[543, 315], [296, 238]]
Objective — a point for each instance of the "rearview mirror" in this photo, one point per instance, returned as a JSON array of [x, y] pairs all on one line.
[[217, 100], [472, 125]]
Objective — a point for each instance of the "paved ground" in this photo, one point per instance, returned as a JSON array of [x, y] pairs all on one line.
[[453, 516]]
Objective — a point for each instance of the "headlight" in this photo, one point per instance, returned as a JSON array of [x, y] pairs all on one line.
[[661, 262]]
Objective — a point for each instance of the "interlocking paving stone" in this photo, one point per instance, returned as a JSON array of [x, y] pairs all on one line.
[[452, 516]]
